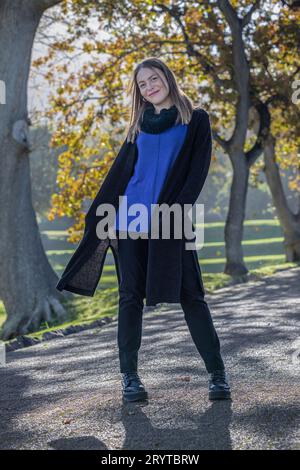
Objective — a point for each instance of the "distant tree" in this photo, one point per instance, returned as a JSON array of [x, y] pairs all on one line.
[[277, 68]]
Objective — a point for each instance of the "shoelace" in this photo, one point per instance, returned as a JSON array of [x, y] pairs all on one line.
[[131, 376]]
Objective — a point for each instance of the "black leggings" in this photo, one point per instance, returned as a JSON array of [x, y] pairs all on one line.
[[133, 255]]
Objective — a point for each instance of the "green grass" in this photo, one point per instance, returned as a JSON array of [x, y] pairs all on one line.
[[247, 259], [263, 255], [85, 310], [105, 302]]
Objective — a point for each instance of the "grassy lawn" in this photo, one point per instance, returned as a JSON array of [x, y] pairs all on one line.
[[262, 246]]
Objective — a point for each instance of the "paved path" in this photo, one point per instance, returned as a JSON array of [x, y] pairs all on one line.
[[65, 393]]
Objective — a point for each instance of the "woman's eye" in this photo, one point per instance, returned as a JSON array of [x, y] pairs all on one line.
[[153, 78]]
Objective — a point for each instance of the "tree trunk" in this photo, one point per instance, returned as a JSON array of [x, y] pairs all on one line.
[[290, 222], [234, 225], [235, 266], [27, 280]]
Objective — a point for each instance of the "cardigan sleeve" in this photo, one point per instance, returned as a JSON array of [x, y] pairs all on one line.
[[199, 164]]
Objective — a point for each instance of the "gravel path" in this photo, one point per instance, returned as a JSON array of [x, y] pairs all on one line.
[[66, 393]]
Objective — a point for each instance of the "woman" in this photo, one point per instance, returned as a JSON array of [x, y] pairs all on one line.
[[160, 134], [164, 160]]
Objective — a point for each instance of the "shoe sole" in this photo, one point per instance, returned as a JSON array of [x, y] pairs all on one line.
[[138, 396], [219, 395]]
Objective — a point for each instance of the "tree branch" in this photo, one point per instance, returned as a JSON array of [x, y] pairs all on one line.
[[264, 129], [191, 51], [223, 143], [248, 16]]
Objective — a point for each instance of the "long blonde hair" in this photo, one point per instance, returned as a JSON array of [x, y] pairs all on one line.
[[182, 102]]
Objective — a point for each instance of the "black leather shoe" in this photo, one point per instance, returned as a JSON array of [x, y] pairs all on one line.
[[132, 387], [218, 386]]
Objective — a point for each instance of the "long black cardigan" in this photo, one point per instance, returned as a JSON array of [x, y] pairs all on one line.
[[183, 185]]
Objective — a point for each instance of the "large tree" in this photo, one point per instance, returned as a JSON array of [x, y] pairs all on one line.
[[27, 280], [213, 48], [275, 60]]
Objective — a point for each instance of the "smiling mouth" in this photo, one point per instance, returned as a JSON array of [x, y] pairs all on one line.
[[154, 93]]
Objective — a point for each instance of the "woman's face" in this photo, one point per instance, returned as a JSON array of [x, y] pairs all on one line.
[[151, 86]]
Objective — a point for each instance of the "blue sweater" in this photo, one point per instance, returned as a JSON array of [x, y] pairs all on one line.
[[156, 155]]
